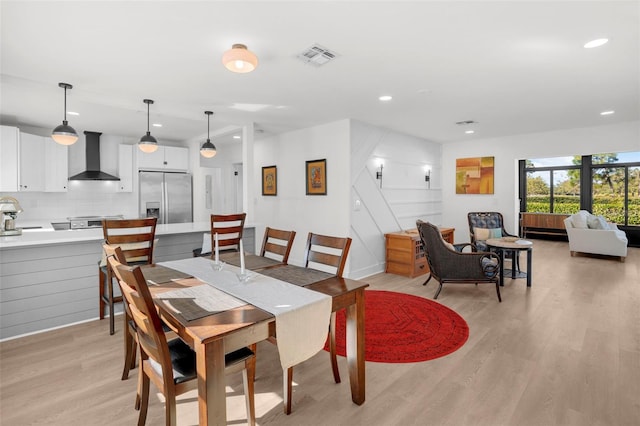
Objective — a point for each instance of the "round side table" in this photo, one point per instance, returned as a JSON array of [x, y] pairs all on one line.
[[501, 245]]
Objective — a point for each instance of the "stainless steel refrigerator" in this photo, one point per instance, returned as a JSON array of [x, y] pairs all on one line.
[[167, 196]]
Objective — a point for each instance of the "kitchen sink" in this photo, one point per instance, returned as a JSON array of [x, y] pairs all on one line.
[[61, 226]]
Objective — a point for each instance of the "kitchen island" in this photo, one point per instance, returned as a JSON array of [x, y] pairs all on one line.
[[49, 279]]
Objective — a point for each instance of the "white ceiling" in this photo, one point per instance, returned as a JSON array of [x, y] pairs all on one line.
[[513, 67]]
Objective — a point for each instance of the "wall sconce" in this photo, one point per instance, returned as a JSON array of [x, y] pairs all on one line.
[[427, 175], [379, 172]]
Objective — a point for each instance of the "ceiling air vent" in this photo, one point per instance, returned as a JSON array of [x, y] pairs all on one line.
[[316, 55]]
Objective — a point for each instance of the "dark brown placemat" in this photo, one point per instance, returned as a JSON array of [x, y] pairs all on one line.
[[156, 274], [251, 261], [296, 274]]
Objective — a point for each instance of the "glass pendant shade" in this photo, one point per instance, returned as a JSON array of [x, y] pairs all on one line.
[[240, 59], [148, 143], [208, 150], [65, 134]]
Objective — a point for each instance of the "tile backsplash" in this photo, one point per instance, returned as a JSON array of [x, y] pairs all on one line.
[[84, 198]]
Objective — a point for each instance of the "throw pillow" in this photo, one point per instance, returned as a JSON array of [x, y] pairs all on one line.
[[483, 234], [579, 221], [597, 222]]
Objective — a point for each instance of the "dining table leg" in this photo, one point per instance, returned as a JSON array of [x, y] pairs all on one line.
[[355, 347], [210, 366]]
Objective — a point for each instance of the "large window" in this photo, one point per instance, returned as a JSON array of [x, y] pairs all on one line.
[[616, 186], [553, 185], [606, 184]]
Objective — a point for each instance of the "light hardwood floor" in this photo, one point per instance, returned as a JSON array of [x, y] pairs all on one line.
[[565, 352]]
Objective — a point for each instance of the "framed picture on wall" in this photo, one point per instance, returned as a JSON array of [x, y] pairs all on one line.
[[474, 175], [316, 177], [269, 180]]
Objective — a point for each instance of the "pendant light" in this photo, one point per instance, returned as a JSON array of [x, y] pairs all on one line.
[[148, 143], [208, 150], [240, 59], [65, 134]]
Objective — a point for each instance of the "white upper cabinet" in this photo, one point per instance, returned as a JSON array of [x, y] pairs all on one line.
[[32, 156], [56, 167], [165, 158], [125, 168], [9, 153]]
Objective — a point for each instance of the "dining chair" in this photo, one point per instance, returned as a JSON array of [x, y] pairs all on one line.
[[130, 338], [229, 228], [277, 243], [171, 365], [136, 237], [448, 265], [322, 251]]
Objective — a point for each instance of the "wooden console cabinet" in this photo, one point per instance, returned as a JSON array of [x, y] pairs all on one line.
[[542, 223], [405, 254]]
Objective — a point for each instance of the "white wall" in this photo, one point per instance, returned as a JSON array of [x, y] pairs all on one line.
[[507, 151], [292, 209], [403, 198]]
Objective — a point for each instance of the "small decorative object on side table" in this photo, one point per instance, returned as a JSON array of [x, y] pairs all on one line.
[[405, 254]]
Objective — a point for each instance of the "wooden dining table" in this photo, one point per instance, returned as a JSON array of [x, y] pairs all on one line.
[[212, 336]]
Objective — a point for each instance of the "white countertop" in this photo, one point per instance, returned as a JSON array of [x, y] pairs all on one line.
[[47, 236]]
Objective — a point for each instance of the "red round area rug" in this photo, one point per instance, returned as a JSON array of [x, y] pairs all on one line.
[[402, 328]]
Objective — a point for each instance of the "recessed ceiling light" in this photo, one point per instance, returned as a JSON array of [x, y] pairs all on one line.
[[596, 43], [469, 132], [237, 137], [157, 125], [607, 112], [73, 113], [385, 98]]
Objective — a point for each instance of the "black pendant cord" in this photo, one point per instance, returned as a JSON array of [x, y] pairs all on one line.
[[208, 120], [148, 132], [65, 106]]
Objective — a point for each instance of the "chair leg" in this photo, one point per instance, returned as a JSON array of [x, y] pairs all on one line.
[[498, 291], [288, 391], [248, 377], [428, 279], [438, 292], [332, 348], [110, 290], [144, 398], [130, 349], [101, 278], [170, 408], [140, 387]]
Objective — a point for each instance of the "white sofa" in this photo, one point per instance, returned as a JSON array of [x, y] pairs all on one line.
[[593, 234]]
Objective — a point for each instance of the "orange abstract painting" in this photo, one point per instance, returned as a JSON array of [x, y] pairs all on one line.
[[474, 175]]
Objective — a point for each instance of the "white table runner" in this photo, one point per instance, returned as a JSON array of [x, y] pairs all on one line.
[[302, 315]]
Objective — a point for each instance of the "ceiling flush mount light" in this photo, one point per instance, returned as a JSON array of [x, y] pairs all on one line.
[[65, 134], [469, 132], [148, 143], [385, 98], [240, 59], [208, 150], [607, 112], [596, 43]]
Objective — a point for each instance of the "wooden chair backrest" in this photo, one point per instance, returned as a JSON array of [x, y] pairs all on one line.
[[135, 236], [327, 250], [273, 243], [117, 253], [229, 228], [151, 337]]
